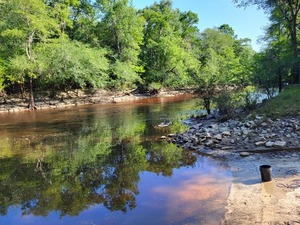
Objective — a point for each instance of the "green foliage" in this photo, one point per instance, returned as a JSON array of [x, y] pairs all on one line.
[[121, 29], [72, 64], [167, 52], [2, 75], [284, 18], [225, 104], [250, 98], [287, 103], [56, 44], [224, 60], [265, 73]]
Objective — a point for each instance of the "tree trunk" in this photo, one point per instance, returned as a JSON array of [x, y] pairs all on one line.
[[207, 104], [295, 66], [31, 104], [293, 27], [279, 80]]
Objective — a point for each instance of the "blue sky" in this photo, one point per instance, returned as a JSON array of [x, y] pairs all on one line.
[[247, 23]]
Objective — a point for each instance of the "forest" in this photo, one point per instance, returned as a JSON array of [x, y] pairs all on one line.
[[54, 45]]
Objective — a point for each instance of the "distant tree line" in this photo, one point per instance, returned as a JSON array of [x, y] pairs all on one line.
[[55, 45]]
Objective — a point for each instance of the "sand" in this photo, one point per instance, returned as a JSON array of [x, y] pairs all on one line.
[[252, 201]]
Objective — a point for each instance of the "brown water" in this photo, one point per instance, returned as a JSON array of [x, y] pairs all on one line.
[[105, 164]]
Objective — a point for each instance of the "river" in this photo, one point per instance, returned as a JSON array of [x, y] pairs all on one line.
[[106, 164]]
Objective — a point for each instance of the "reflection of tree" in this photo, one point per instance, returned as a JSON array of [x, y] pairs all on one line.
[[164, 157], [97, 163], [124, 166]]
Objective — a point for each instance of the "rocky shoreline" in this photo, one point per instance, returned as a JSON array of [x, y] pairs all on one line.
[[209, 136], [246, 145]]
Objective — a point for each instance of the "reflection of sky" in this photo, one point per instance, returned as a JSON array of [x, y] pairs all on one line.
[[182, 197], [194, 195]]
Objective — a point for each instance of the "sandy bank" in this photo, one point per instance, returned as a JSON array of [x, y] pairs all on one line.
[[276, 202]]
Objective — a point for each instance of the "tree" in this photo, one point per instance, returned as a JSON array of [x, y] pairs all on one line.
[[121, 30], [287, 13], [225, 61], [167, 52], [71, 64], [85, 20], [271, 67], [60, 10], [25, 23]]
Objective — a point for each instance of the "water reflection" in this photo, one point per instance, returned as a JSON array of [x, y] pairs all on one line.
[[102, 165]]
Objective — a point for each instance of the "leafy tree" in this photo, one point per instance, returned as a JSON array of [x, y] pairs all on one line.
[[70, 64], [271, 67], [24, 24], [60, 10], [224, 62], [226, 29], [84, 23], [285, 12], [121, 30], [167, 51]]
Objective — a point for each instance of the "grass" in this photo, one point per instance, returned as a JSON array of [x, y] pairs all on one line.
[[287, 103]]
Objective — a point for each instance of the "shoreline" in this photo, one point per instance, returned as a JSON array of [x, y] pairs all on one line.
[[79, 98], [250, 201], [245, 145]]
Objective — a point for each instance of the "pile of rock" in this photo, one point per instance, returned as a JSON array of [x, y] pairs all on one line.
[[256, 134]]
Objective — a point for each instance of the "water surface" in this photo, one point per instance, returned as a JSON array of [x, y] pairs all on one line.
[[106, 164]]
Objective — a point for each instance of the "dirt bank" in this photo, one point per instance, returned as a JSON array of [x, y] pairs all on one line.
[[15, 103]]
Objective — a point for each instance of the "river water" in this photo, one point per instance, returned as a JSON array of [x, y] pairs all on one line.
[[106, 164]]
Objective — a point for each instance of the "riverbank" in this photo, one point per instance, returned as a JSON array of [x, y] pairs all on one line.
[[246, 145], [14, 103], [271, 138]]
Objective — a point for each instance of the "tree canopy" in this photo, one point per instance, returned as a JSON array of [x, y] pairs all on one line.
[[65, 44], [283, 30]]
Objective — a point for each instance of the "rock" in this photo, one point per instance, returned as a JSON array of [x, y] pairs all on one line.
[[214, 126], [244, 154], [264, 124], [250, 124], [280, 143], [208, 135], [259, 117], [218, 137], [245, 131], [269, 144], [209, 143], [259, 143], [227, 147], [226, 133]]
